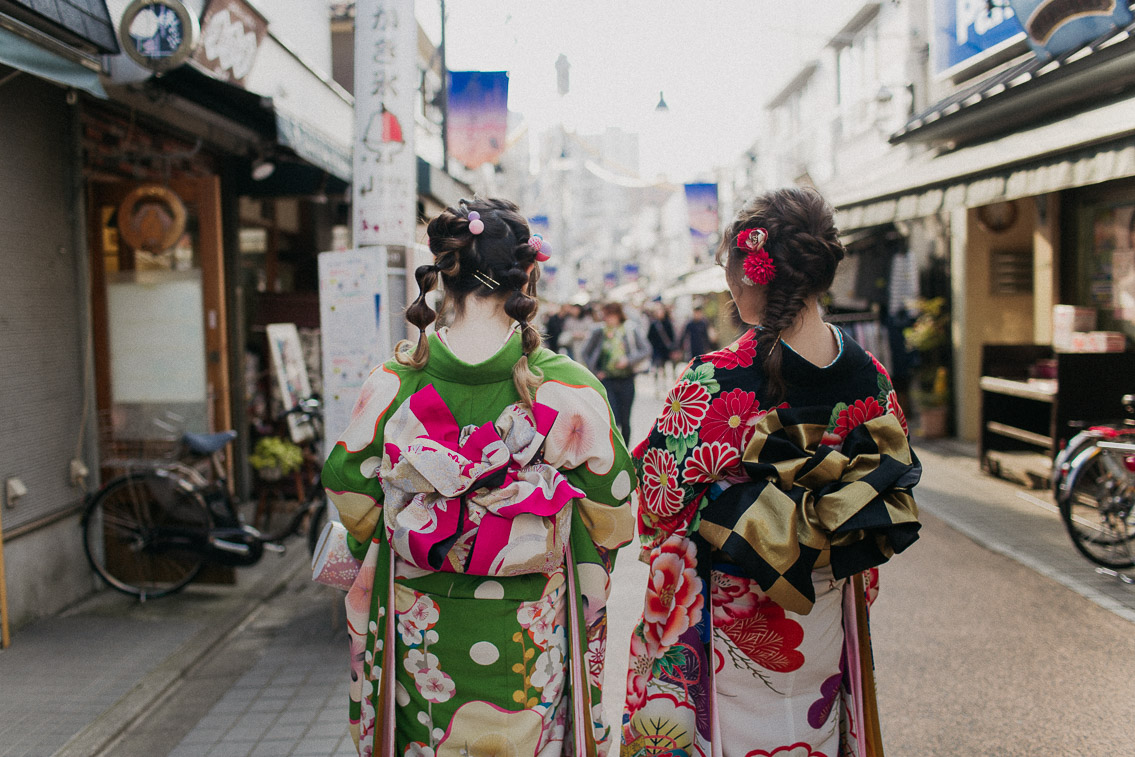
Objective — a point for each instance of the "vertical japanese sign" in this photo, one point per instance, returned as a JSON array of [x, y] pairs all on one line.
[[386, 83], [477, 118]]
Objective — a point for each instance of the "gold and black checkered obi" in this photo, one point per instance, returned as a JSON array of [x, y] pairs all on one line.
[[807, 505]]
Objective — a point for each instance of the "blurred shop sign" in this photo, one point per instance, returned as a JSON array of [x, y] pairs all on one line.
[[159, 35], [966, 30], [231, 33], [1057, 26]]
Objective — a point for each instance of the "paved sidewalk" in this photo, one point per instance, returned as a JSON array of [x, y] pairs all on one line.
[[1023, 524], [71, 683], [256, 677]]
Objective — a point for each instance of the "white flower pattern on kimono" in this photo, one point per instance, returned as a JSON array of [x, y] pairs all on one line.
[[419, 661], [418, 749], [548, 674], [435, 685]]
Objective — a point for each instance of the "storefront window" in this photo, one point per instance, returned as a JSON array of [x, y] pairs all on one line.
[[1106, 265]]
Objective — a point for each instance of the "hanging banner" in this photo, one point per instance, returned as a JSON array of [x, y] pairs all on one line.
[[477, 116], [1057, 26], [701, 202], [386, 84]]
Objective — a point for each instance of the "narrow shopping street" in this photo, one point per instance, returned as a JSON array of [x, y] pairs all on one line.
[[977, 652]]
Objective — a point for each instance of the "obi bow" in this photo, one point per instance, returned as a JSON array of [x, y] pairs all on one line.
[[807, 504], [477, 499]]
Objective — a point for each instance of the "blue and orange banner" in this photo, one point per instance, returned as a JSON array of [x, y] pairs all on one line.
[[701, 202], [1057, 26], [477, 116]]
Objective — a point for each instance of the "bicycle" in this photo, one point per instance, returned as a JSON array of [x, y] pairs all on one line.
[[1094, 486], [150, 531]]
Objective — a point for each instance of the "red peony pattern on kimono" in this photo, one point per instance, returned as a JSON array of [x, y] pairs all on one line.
[[673, 593], [686, 406]]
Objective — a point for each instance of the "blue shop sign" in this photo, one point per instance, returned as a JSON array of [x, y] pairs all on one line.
[[1057, 26], [966, 29]]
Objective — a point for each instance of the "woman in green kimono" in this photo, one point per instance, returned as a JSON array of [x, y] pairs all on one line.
[[485, 491]]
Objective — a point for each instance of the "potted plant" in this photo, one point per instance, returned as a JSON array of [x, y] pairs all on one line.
[[274, 457], [929, 338]]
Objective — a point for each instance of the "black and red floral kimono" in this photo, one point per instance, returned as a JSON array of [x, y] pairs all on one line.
[[753, 518]]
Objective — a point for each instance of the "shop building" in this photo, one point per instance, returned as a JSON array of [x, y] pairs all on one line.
[[1022, 163], [133, 271]]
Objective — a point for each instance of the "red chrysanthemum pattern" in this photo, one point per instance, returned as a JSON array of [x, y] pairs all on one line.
[[673, 594], [728, 416], [769, 638], [710, 462], [740, 354], [895, 409], [660, 489], [686, 405], [856, 414]]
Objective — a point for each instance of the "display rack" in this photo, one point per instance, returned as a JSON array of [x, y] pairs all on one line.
[[1021, 415]]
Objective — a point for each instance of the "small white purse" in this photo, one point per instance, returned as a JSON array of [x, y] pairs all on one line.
[[333, 564]]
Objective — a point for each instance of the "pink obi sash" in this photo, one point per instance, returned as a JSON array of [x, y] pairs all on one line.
[[473, 500]]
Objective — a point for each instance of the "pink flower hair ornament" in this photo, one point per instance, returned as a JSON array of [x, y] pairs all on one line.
[[541, 248], [758, 265]]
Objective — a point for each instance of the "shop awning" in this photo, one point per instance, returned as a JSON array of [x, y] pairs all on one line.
[[313, 145], [1093, 146], [704, 281], [25, 55]]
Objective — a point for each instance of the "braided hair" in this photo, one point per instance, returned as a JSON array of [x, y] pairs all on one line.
[[498, 262], [804, 245]]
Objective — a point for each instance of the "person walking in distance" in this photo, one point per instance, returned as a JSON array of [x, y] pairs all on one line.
[[779, 473], [486, 495], [697, 338], [660, 334], [613, 352]]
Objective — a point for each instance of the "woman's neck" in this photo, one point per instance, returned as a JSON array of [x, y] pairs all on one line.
[[811, 337], [480, 330]]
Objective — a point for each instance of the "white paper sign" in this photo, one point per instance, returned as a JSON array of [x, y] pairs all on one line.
[[354, 335]]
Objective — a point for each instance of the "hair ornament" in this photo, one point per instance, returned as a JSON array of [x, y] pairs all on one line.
[[758, 265], [486, 279], [476, 225], [540, 247]]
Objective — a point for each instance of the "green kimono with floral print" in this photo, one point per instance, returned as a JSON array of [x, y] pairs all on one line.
[[508, 663]]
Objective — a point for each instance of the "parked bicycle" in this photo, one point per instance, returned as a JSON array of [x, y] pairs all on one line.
[[150, 531], [1094, 484]]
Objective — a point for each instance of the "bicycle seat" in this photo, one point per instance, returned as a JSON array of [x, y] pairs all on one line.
[[207, 444]]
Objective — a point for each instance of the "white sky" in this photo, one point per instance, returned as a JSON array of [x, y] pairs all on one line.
[[717, 61]]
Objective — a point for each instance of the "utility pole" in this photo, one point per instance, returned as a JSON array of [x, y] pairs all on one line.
[[444, 96]]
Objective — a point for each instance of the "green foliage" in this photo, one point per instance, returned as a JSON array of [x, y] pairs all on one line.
[[276, 452], [931, 329]]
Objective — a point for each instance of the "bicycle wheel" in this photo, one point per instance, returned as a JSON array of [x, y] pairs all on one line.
[[315, 525], [1097, 510], [136, 531]]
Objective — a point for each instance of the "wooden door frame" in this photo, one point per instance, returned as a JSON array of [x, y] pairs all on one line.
[[203, 194]]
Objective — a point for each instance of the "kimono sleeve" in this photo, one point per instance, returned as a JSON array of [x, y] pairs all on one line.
[[694, 444], [350, 475], [586, 447]]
